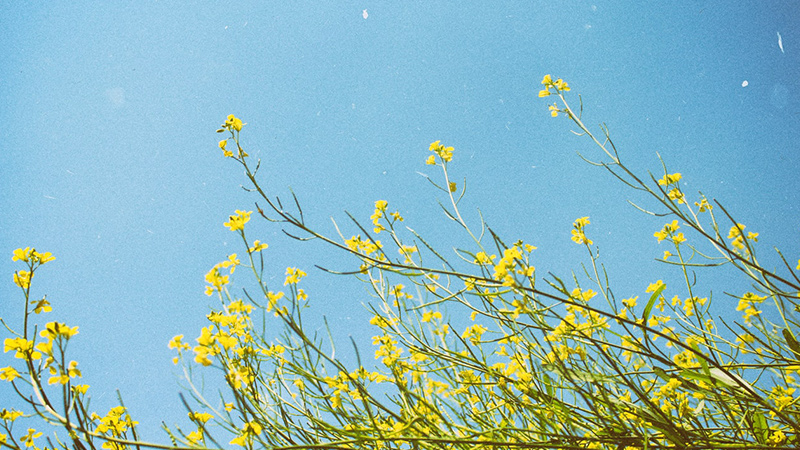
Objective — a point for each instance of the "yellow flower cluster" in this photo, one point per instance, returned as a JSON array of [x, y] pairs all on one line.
[[115, 425], [578, 235], [22, 347], [514, 262], [669, 179], [364, 247], [444, 153], [246, 434], [237, 221], [675, 191], [387, 349], [257, 246], [558, 87], [31, 255], [216, 280], [293, 275], [668, 231], [378, 214], [473, 333], [22, 278], [233, 123], [229, 332], [747, 303], [736, 234]]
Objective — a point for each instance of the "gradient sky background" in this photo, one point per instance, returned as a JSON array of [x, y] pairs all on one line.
[[109, 158]]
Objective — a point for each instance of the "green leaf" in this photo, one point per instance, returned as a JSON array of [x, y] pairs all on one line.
[[700, 358], [690, 375], [548, 385], [760, 428], [662, 374], [587, 376], [652, 302], [792, 342]]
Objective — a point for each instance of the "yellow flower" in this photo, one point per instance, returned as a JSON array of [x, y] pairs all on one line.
[[670, 179], [54, 330], [704, 205], [177, 343], [236, 222], [654, 286], [630, 302], [80, 388], [431, 160], [257, 246], [474, 333], [293, 275], [22, 278], [429, 315], [41, 306], [452, 186], [676, 194], [28, 438], [43, 257], [200, 417], [578, 234], [554, 110], [446, 153], [62, 377], [232, 262], [233, 123], [22, 254], [195, 437], [8, 373], [747, 303], [10, 415], [22, 347], [273, 300], [216, 280], [667, 230], [776, 438], [222, 144], [547, 80]]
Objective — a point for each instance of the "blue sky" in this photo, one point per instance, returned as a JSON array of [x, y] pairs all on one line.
[[110, 159]]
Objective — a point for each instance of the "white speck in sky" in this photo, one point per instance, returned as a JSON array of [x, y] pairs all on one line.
[[780, 42], [745, 83], [116, 96], [364, 14]]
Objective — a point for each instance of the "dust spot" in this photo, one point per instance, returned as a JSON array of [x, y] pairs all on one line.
[[116, 96]]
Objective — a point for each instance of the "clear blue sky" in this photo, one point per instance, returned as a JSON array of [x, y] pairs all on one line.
[[109, 158]]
